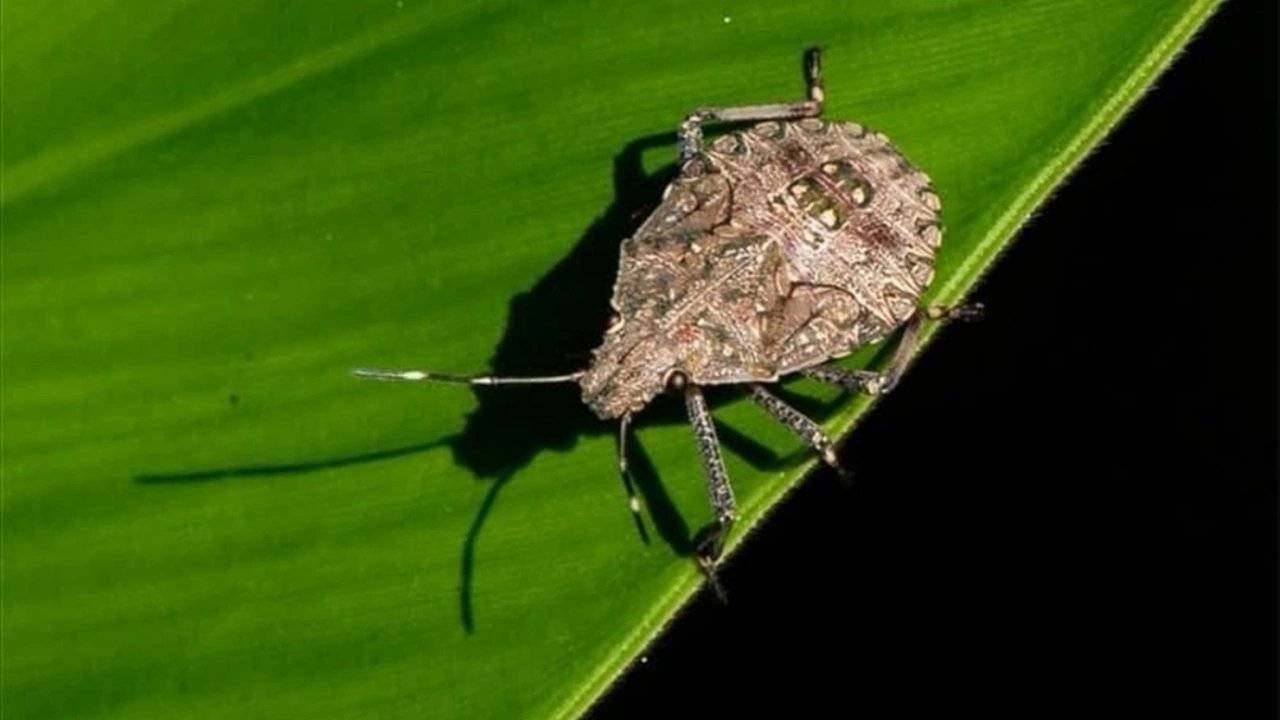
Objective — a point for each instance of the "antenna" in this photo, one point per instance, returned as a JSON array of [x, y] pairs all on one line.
[[431, 376]]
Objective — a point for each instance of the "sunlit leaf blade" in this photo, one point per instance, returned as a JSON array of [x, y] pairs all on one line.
[[212, 211]]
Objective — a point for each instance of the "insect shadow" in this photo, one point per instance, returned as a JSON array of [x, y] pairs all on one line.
[[551, 329]]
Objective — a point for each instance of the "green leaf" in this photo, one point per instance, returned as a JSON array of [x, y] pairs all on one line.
[[213, 210]]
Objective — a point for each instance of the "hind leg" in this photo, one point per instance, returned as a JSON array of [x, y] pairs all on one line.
[[879, 383], [806, 429], [690, 132]]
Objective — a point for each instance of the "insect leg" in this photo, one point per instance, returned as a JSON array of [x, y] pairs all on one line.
[[808, 430], [628, 482], [879, 383], [431, 376], [873, 383], [718, 487], [851, 380], [964, 313], [690, 132]]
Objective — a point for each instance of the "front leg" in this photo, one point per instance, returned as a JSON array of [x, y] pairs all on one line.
[[711, 544]]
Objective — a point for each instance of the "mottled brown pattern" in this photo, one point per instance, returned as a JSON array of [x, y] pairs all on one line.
[[779, 247]]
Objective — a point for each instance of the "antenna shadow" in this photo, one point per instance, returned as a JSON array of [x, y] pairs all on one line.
[[244, 471]]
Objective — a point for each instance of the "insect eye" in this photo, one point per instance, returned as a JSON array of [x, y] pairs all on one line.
[[676, 381], [615, 323]]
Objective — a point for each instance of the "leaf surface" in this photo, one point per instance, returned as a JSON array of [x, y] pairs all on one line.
[[212, 211]]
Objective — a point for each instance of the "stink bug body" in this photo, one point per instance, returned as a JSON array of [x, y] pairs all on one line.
[[777, 249]]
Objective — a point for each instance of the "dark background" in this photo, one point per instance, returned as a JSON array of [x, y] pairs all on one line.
[[1068, 505]]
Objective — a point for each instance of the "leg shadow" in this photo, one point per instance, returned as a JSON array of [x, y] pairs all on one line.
[[467, 564]]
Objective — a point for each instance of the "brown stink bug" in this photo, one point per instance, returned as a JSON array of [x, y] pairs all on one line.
[[777, 249]]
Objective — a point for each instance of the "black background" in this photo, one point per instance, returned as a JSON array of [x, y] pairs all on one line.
[[1070, 504]]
